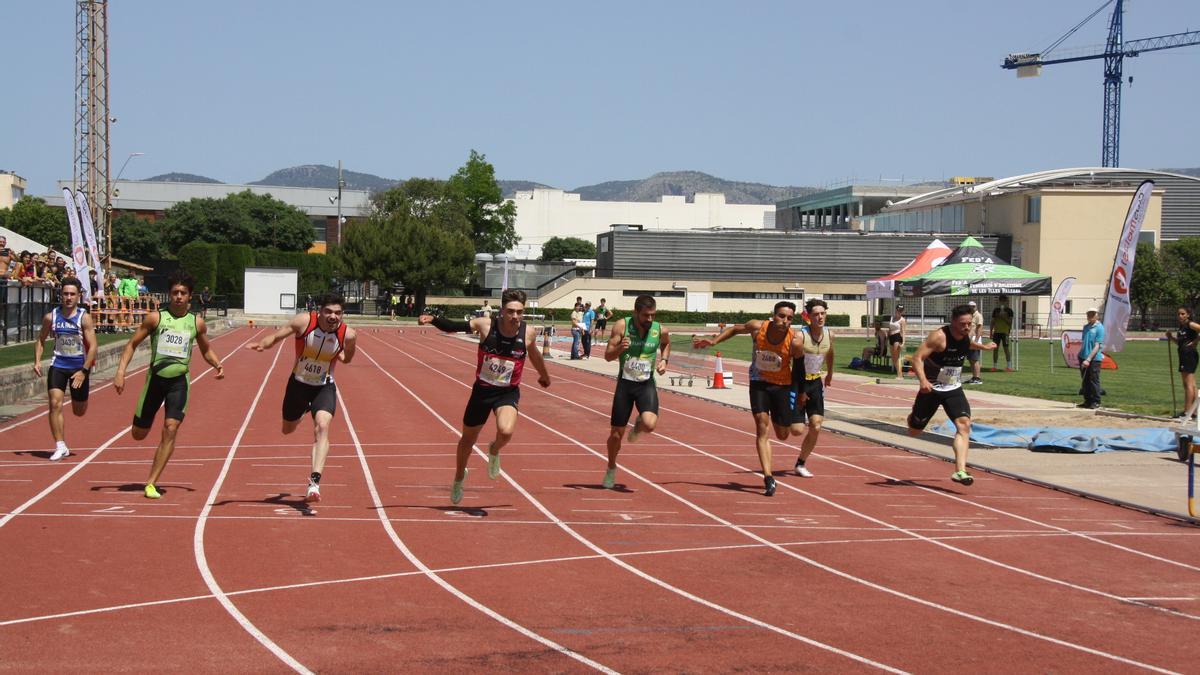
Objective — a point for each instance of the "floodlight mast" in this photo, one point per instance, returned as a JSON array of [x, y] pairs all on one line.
[[1029, 64]]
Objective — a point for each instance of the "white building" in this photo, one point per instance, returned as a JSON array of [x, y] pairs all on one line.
[[12, 188], [543, 213]]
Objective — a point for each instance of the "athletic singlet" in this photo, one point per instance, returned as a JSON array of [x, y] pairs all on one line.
[[815, 352], [944, 369], [893, 327], [637, 362], [316, 352], [1184, 336], [70, 345], [500, 359], [772, 362], [171, 348]]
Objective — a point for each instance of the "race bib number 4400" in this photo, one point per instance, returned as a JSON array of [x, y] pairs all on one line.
[[637, 370], [173, 343]]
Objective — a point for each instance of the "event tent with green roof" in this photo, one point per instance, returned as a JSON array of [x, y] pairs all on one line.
[[971, 270]]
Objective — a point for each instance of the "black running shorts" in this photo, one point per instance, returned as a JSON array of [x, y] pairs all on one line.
[[300, 398], [1188, 360], [815, 405], [60, 378], [485, 399], [628, 394], [173, 391], [775, 399], [926, 405]]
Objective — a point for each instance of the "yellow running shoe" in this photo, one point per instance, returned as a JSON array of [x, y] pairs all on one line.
[[152, 492], [456, 490], [610, 479], [493, 463]]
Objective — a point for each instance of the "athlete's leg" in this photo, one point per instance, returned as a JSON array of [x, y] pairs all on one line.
[[646, 422], [506, 424], [896, 349], [166, 447], [615, 435], [762, 440], [962, 441], [55, 399], [320, 449], [291, 425], [810, 438], [139, 433], [1189, 390], [79, 408], [469, 436]]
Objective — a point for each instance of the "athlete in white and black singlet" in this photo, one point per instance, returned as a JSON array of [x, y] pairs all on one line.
[[504, 345], [938, 364]]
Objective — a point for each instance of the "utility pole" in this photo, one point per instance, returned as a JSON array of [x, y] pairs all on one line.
[[92, 120]]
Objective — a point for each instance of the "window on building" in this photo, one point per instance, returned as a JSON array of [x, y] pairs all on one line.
[[844, 296], [1033, 209], [604, 244], [752, 295], [1067, 307], [318, 224], [657, 294]]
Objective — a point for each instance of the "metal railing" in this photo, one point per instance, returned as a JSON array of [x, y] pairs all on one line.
[[21, 310]]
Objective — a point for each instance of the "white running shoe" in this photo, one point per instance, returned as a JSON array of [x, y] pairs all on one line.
[[314, 494], [802, 470], [60, 452], [493, 464], [610, 479], [456, 490]]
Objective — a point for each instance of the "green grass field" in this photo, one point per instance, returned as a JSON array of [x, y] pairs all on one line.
[[1141, 384], [15, 355]]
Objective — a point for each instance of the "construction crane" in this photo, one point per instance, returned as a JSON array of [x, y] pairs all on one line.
[[1113, 53]]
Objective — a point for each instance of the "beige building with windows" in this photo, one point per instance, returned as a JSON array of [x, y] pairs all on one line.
[[12, 188]]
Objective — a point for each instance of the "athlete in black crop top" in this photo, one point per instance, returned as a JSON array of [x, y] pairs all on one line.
[[1185, 337], [938, 364]]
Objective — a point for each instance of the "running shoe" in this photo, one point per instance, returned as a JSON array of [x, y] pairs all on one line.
[[60, 452], [493, 464], [152, 492], [769, 485], [610, 479], [802, 470], [975, 380], [634, 433], [962, 477], [456, 490], [314, 494]]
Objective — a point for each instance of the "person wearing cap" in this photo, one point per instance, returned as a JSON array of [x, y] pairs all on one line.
[[1091, 355], [1002, 320], [975, 356]]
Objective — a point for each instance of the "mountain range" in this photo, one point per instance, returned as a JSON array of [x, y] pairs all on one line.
[[685, 183]]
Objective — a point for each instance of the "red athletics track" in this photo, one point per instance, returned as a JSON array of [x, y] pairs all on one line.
[[879, 562]]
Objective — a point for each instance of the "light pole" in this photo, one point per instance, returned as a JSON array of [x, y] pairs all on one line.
[[114, 192], [503, 258]]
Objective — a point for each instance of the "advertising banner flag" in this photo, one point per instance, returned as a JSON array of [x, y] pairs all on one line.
[[1116, 306], [1060, 301], [88, 227], [78, 252]]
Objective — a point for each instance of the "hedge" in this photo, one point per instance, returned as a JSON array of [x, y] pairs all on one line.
[[315, 269], [663, 315], [199, 259], [222, 267], [232, 261]]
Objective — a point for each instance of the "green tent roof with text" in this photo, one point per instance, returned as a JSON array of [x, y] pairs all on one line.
[[971, 270]]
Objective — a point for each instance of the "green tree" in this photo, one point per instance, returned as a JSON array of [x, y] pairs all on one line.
[[492, 218], [1182, 261], [562, 248], [259, 221], [1151, 284], [31, 217], [366, 252], [137, 239]]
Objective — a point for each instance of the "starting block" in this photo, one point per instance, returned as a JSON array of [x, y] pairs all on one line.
[[678, 379]]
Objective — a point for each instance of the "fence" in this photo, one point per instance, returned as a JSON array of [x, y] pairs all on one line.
[[22, 310]]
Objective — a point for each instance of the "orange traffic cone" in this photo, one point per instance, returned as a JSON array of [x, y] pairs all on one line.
[[252, 323], [718, 381]]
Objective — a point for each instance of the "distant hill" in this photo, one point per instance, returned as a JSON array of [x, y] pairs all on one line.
[[1186, 172], [324, 176], [176, 177], [510, 187], [688, 183]]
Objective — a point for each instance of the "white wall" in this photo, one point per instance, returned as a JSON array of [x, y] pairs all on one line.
[[265, 285], [543, 213]]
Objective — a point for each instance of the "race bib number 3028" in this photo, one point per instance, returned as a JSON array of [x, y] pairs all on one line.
[[173, 343]]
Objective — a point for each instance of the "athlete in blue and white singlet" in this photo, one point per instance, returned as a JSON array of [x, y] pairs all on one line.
[[74, 353]]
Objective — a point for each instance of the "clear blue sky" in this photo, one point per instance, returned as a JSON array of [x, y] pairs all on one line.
[[572, 93]]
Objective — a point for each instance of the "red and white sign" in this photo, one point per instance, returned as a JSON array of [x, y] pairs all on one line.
[[1117, 307], [78, 255], [1060, 301]]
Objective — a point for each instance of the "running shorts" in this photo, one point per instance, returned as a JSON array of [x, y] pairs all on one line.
[[896, 339], [173, 391], [926, 405], [60, 378], [815, 405], [628, 394], [486, 399], [775, 399], [300, 398], [1187, 361]]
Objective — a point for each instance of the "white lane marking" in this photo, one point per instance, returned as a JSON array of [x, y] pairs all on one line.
[[609, 556], [198, 540], [846, 575], [87, 460], [434, 576]]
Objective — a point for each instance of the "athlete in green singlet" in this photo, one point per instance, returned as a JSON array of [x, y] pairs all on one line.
[[174, 331], [638, 342]]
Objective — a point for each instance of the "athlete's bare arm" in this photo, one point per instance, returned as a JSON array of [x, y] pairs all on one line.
[[294, 327], [978, 344], [143, 331], [664, 350], [829, 361], [736, 329], [535, 356], [349, 348], [89, 358], [618, 341], [479, 324], [40, 345], [934, 342], [206, 349]]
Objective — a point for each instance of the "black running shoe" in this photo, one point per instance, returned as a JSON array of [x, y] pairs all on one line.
[[769, 484]]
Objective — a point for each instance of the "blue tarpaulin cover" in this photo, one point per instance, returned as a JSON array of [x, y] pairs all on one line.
[[1069, 439]]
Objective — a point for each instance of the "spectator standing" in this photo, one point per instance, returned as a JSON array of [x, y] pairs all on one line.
[[603, 314], [485, 311], [1091, 356], [93, 284], [975, 356], [6, 256], [577, 331], [393, 305], [895, 330], [1002, 319], [589, 319], [408, 306]]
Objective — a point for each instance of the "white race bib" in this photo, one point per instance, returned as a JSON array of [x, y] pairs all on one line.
[[496, 371], [173, 343], [310, 371], [948, 378], [637, 370], [814, 364], [68, 345], [768, 362]]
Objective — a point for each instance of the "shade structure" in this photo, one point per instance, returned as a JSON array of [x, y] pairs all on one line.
[[932, 256], [971, 270]]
